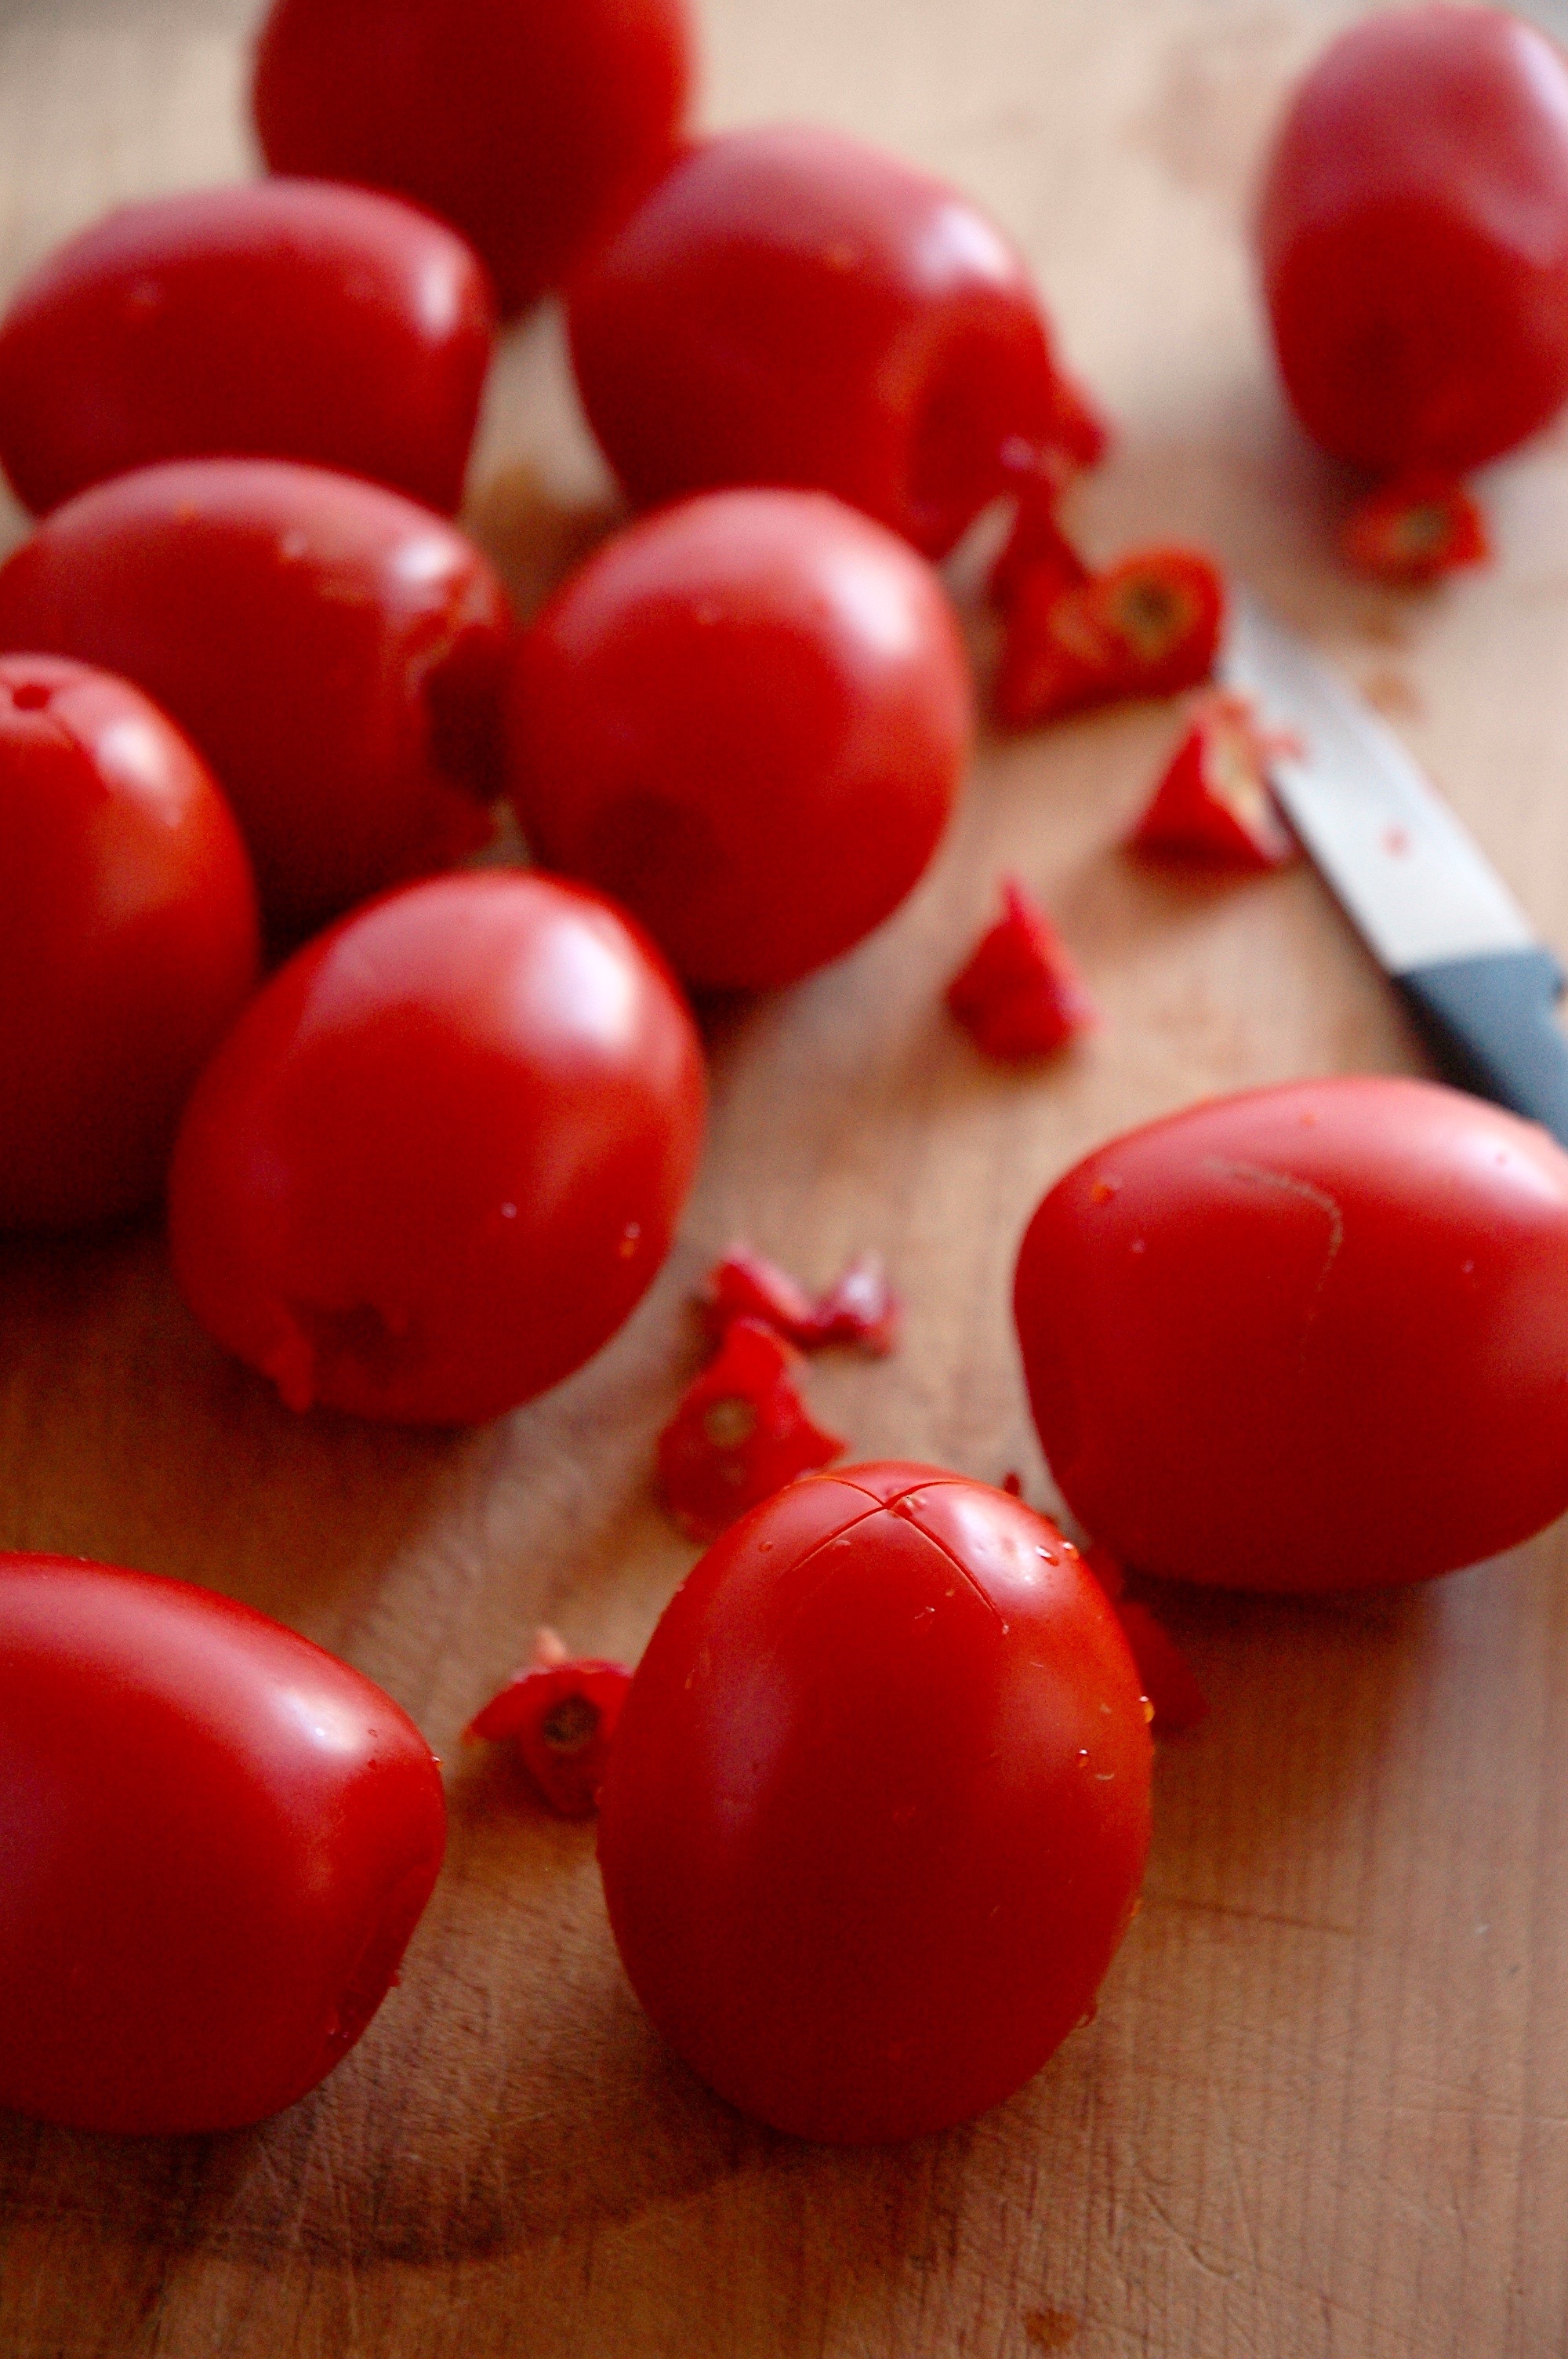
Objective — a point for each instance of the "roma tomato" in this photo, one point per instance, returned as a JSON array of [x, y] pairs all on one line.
[[747, 718], [1306, 1338], [787, 306], [335, 651], [440, 1157], [531, 124], [215, 1840], [1414, 236], [128, 940], [878, 1804], [284, 319]]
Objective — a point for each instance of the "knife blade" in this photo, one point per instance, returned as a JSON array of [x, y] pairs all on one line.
[[1434, 912]]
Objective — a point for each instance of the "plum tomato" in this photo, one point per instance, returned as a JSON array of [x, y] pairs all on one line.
[[1306, 1338], [283, 319], [215, 1841], [1413, 237], [440, 1159], [878, 1804], [747, 718], [128, 940], [530, 124], [336, 652], [788, 306]]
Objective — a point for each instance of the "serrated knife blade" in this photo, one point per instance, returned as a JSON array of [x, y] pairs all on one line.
[[1425, 898]]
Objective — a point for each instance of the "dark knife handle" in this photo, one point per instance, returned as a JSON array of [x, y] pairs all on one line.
[[1490, 1026]]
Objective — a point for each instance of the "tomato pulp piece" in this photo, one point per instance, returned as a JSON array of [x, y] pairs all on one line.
[[1213, 802], [1177, 1700], [1415, 530], [1020, 994], [1413, 237], [860, 1307], [562, 1717], [877, 1806], [740, 1432], [1037, 550], [1147, 626]]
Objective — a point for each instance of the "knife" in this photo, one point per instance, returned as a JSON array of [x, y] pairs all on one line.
[[1431, 908]]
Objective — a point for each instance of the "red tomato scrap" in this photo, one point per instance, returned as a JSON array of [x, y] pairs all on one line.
[[561, 1714], [1177, 1702], [334, 650], [128, 940], [746, 718], [789, 306], [740, 1432], [1020, 994], [878, 1805], [1036, 548], [1413, 236], [532, 125], [1306, 1338], [1147, 626], [859, 1308], [1415, 530], [215, 1841], [281, 319], [441, 1156], [1213, 802]]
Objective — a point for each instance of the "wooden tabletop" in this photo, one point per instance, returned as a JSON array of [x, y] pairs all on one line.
[[1323, 2113]]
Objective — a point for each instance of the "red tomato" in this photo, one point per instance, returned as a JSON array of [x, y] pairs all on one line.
[[1306, 1338], [287, 320], [746, 717], [1415, 239], [790, 307], [878, 1804], [531, 124], [215, 1840], [128, 940], [440, 1157], [335, 651]]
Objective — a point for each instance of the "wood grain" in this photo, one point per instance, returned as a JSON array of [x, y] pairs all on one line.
[[1323, 2113]]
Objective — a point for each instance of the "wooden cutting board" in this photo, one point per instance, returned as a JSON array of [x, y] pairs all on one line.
[[1323, 2113]]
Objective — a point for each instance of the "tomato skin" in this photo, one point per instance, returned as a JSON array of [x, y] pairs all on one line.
[[284, 319], [746, 717], [530, 124], [215, 1841], [1413, 237], [1306, 1338], [788, 306], [878, 1804], [333, 649], [441, 1156], [128, 940]]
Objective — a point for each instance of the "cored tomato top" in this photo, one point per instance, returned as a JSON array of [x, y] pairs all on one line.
[[1413, 234], [284, 319], [790, 306], [530, 124]]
